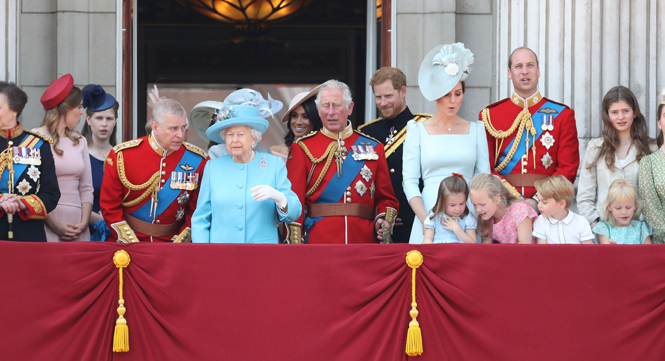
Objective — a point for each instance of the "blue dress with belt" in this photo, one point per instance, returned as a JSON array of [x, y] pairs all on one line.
[[226, 211]]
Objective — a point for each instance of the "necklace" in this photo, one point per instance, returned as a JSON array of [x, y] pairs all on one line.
[[626, 143], [450, 129]]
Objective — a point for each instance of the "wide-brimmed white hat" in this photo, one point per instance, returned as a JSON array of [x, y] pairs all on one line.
[[201, 116], [444, 67], [298, 100]]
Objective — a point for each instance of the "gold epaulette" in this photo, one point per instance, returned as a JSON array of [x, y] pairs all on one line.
[[39, 135], [126, 145], [497, 103], [368, 123], [423, 117], [194, 149], [563, 105], [365, 135], [308, 135]]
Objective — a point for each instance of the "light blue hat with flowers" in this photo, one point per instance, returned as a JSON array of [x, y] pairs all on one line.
[[235, 115], [442, 68], [246, 96]]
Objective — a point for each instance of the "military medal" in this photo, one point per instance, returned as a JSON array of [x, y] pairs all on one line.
[[550, 123], [361, 188], [391, 138], [547, 139], [544, 122], [546, 160], [366, 173], [372, 189], [184, 180], [263, 164]]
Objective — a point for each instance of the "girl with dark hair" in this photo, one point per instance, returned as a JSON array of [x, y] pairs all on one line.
[[615, 155], [27, 164], [652, 182], [302, 118], [99, 130], [69, 220]]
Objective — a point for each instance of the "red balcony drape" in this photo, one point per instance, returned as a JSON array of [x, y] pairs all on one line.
[[329, 302]]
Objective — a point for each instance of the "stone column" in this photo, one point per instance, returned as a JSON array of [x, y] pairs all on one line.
[[421, 25], [65, 36]]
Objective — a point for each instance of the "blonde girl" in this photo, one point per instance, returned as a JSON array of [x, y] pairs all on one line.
[[449, 220], [621, 209], [502, 216]]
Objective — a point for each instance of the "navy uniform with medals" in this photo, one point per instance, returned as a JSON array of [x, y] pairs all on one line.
[[392, 133], [27, 158], [148, 193]]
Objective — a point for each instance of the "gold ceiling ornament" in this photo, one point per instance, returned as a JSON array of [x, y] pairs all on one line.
[[249, 15]]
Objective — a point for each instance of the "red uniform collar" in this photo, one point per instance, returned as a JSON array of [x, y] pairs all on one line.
[[158, 148], [347, 132], [528, 102]]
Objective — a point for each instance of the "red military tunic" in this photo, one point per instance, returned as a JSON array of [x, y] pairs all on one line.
[[149, 194], [368, 188], [556, 144]]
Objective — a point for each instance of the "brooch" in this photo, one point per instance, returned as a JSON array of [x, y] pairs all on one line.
[[263, 164]]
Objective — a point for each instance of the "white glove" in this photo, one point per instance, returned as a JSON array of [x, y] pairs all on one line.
[[261, 193], [153, 97]]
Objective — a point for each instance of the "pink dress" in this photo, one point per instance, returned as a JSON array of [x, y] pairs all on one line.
[[505, 231], [75, 181]]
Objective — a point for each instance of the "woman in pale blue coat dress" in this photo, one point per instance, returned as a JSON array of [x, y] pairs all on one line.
[[445, 143], [244, 194]]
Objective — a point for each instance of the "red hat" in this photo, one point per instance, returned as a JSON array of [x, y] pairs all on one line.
[[57, 92]]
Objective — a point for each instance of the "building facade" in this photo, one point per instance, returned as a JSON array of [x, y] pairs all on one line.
[[585, 47]]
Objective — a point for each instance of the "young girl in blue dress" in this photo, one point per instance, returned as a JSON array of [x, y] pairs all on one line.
[[449, 220], [620, 211]]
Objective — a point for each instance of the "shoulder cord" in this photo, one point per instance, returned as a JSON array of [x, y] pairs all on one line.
[[523, 121], [151, 186], [328, 155]]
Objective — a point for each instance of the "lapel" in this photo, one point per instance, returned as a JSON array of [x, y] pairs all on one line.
[[630, 157]]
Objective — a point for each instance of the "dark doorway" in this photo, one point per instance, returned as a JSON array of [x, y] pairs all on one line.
[[177, 45]]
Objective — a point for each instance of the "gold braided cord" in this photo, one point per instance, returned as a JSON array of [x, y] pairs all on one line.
[[151, 186], [522, 122], [332, 146]]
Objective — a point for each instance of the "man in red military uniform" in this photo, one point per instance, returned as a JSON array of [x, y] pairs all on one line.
[[341, 177], [530, 137], [151, 184]]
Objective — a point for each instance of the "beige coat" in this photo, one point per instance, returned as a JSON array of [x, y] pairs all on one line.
[[595, 182]]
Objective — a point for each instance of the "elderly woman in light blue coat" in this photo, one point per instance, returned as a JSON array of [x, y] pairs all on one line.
[[244, 194]]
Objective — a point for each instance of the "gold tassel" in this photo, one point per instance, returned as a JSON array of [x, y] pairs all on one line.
[[414, 337], [121, 334]]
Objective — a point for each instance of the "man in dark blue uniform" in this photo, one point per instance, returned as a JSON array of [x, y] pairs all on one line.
[[389, 86]]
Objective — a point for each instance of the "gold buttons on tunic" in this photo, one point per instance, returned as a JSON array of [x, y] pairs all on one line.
[[348, 193], [163, 181], [348, 199], [523, 170], [163, 172], [158, 221], [392, 171], [163, 164]]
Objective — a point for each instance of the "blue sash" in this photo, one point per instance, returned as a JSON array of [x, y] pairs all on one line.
[[521, 147], [18, 171], [167, 195], [336, 187]]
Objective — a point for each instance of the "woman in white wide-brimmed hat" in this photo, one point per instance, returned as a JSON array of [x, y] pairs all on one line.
[[445, 143], [243, 194]]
